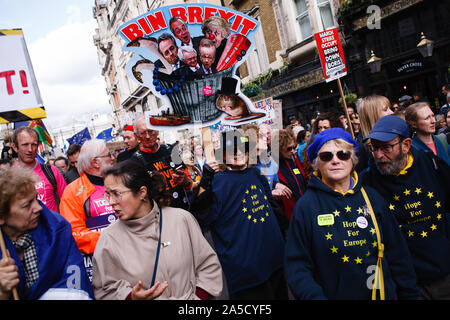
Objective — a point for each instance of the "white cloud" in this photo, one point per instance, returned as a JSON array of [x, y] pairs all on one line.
[[69, 77]]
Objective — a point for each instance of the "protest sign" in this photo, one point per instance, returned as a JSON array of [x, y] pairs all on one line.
[[187, 55], [331, 54], [20, 99]]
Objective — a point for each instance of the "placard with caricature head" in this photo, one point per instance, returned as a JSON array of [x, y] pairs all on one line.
[[188, 55]]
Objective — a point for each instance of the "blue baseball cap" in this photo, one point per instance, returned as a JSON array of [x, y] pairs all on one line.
[[388, 128], [327, 135]]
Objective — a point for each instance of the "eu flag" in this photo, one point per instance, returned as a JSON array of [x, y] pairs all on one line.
[[80, 137], [105, 135]]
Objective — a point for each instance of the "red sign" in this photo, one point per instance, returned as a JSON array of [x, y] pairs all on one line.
[[331, 54]]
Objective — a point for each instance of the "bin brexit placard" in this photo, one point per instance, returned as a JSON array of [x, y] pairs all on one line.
[[20, 99], [187, 55], [331, 54]]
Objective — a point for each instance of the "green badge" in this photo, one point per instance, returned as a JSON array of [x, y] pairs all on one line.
[[325, 220]]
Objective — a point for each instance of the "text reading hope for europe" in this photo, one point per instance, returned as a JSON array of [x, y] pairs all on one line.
[[156, 21]]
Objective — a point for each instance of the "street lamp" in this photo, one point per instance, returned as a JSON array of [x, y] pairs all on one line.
[[374, 63], [425, 46]]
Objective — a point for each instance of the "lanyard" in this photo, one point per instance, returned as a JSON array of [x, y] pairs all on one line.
[[157, 250], [379, 270]]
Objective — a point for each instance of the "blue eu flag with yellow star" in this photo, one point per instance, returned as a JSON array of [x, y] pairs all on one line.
[[105, 135], [80, 137]]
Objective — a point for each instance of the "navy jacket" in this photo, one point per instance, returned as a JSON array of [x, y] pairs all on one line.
[[416, 198], [246, 235], [338, 260]]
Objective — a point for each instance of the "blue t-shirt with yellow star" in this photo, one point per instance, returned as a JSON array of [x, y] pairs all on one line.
[[417, 201], [332, 246], [245, 231]]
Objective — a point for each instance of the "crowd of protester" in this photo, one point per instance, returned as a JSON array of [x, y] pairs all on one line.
[[319, 210]]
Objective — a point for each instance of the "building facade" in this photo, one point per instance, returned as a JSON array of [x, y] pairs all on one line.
[[394, 31]]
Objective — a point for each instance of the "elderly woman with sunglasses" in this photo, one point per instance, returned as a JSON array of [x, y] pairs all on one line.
[[343, 243], [154, 250]]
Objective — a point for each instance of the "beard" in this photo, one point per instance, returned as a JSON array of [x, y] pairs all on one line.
[[393, 166]]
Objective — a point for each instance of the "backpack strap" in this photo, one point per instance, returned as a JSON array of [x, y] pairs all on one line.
[[47, 169]]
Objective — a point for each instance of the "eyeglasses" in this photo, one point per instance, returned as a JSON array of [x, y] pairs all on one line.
[[290, 148], [116, 195], [109, 155], [385, 148], [147, 132], [328, 155]]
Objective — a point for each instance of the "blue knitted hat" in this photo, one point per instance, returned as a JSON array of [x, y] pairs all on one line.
[[327, 135]]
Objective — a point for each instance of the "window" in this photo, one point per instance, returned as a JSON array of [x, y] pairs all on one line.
[[326, 15], [303, 18]]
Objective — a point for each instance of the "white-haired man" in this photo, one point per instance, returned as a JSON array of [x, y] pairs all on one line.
[[83, 203]]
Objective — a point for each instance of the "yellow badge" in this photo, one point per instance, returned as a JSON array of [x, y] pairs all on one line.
[[296, 171], [325, 220]]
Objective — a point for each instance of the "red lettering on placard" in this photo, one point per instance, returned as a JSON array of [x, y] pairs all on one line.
[[226, 14], [236, 23], [132, 31], [179, 12], [195, 14], [209, 12], [7, 75], [143, 23], [23, 79], [247, 25], [157, 21]]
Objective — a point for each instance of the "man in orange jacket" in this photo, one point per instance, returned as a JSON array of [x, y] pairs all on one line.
[[83, 203]]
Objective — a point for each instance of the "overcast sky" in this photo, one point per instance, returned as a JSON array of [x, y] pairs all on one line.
[[59, 35]]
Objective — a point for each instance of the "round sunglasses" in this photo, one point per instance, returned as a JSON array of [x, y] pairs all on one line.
[[328, 155]]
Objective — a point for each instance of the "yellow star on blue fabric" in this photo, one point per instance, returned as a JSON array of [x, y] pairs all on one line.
[[344, 258], [430, 195], [407, 192], [391, 206], [418, 191], [336, 213], [348, 209], [328, 236]]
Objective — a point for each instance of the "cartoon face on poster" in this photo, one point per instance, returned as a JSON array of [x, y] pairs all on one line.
[[187, 55]]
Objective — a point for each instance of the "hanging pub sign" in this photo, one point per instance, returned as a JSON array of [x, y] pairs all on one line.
[[20, 99], [331, 54], [187, 55]]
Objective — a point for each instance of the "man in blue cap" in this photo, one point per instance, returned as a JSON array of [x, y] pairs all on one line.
[[416, 195]]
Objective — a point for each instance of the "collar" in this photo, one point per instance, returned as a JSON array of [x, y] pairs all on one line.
[[353, 182], [149, 150], [409, 163]]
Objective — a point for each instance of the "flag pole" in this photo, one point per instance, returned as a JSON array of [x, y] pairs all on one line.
[[5, 254], [345, 107]]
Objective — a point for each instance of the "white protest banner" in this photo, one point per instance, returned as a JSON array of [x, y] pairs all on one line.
[[20, 99]]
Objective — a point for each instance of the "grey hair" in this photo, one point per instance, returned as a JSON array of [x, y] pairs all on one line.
[[89, 150], [341, 143], [187, 49]]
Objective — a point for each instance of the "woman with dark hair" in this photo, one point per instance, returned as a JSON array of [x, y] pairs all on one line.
[[153, 250]]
